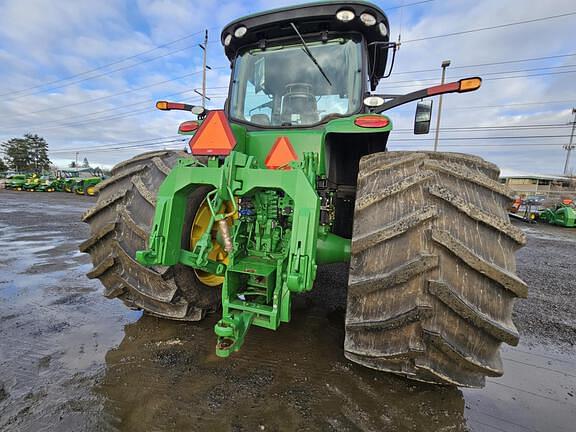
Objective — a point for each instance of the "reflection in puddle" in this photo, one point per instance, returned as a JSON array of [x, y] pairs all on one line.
[[165, 375]]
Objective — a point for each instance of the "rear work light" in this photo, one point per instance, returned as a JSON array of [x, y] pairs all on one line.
[[367, 19], [345, 15], [372, 121]]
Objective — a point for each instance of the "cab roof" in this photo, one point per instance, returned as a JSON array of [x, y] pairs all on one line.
[[312, 19]]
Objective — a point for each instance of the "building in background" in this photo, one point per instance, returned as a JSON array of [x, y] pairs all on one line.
[[549, 186]]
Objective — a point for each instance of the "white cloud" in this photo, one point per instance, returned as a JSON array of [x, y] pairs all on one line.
[[44, 40]]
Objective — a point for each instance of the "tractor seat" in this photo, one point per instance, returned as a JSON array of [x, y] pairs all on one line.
[[299, 100], [260, 119]]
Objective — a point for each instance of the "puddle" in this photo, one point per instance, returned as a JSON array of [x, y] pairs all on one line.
[[72, 360]]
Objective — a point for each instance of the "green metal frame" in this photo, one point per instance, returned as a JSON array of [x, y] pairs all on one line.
[[258, 282], [563, 215]]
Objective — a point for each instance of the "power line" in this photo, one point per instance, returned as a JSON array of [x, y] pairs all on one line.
[[489, 64], [102, 74], [122, 60], [487, 138], [491, 27], [435, 79], [408, 5], [489, 79], [116, 108], [130, 147], [569, 101], [494, 128], [112, 95], [494, 145], [126, 144]]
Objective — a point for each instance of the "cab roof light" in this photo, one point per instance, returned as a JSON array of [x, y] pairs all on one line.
[[368, 19], [383, 29], [345, 15], [240, 31]]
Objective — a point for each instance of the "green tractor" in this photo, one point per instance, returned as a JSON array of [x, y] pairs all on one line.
[[563, 214], [37, 183], [65, 180], [16, 182], [87, 185], [294, 173], [47, 184]]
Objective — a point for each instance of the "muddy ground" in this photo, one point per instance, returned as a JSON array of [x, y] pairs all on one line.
[[70, 360]]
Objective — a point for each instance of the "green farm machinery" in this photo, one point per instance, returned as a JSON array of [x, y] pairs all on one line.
[[87, 185], [295, 173], [563, 214], [16, 182], [47, 184], [37, 183]]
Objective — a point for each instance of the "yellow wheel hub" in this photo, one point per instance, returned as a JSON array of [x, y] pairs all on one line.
[[91, 190], [218, 254]]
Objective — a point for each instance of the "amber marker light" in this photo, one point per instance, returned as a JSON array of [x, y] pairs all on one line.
[[470, 84]]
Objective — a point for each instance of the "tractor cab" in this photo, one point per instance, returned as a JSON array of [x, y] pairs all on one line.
[[305, 65]]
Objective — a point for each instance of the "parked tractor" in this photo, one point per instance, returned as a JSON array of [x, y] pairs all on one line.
[[16, 182], [46, 184], [87, 185], [294, 173]]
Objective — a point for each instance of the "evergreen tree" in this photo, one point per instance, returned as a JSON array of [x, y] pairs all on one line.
[[38, 152], [29, 153], [3, 166], [85, 163], [17, 154]]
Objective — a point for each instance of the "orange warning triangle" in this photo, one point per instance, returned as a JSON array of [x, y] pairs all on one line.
[[214, 136], [281, 154]]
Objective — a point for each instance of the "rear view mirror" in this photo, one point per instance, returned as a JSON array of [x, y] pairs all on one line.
[[423, 117]]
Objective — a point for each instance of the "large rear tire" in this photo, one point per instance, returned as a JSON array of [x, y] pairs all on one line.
[[432, 275], [120, 225]]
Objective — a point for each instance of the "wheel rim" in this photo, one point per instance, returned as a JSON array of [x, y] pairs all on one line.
[[91, 191], [218, 254]]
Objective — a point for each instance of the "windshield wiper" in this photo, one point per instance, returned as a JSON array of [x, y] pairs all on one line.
[[309, 53]]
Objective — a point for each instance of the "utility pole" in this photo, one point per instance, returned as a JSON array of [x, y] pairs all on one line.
[[445, 64], [205, 49], [76, 160], [570, 146]]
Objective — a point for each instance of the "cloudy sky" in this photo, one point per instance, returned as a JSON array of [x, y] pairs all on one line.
[[85, 74]]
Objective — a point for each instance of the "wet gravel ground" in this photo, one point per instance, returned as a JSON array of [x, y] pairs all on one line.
[[70, 360]]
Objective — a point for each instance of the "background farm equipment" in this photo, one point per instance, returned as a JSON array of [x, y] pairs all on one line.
[[47, 184], [294, 173], [563, 214], [86, 186], [526, 209], [16, 182], [31, 183]]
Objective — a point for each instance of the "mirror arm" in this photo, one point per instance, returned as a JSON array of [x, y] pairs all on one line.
[[401, 100], [464, 85], [386, 96]]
